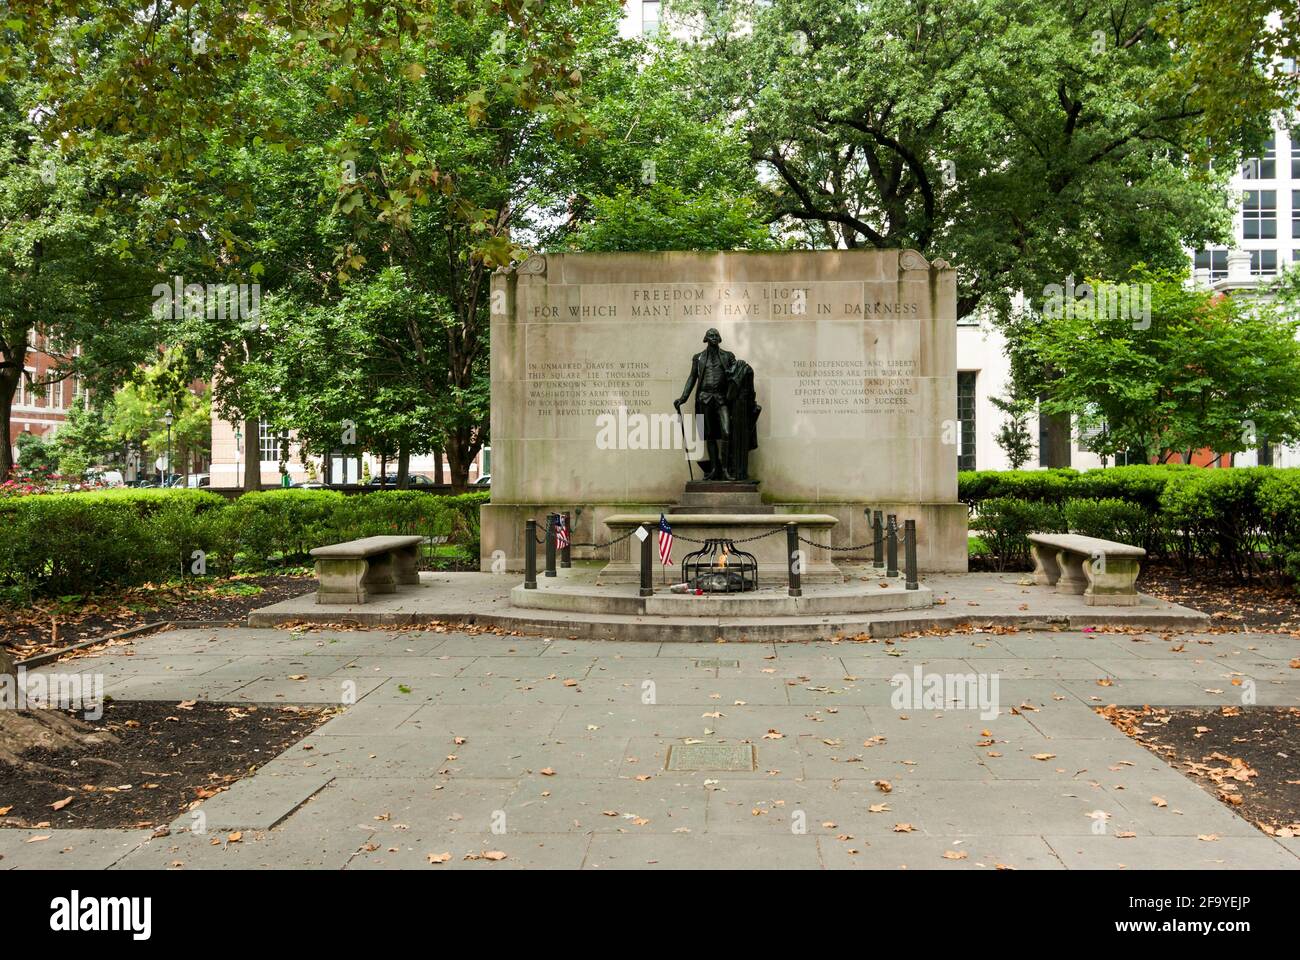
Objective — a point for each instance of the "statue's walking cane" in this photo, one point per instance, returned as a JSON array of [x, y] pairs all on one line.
[[681, 421]]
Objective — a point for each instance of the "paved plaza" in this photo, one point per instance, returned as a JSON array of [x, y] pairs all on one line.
[[555, 753]]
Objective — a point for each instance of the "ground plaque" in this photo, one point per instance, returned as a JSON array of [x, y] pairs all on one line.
[[855, 354], [711, 756]]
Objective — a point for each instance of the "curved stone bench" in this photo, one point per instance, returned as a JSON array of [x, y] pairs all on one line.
[[1104, 571], [350, 572]]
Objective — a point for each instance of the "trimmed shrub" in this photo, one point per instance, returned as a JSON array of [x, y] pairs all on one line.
[[76, 543], [1005, 524], [1111, 518]]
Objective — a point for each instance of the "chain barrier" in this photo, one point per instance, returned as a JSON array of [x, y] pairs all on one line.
[[601, 546]]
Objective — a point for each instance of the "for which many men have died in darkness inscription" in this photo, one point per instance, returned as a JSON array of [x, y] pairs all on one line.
[[882, 384]]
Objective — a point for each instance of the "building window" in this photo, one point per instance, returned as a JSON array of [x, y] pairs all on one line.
[[966, 419], [1216, 261], [1262, 167], [649, 17], [1263, 263], [1295, 214], [1259, 215], [269, 444], [1295, 154]]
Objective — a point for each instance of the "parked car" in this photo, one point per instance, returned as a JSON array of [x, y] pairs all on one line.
[[484, 481], [198, 480], [414, 481], [107, 478]]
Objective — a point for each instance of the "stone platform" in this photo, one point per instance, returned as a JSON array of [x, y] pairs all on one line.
[[744, 529], [574, 591], [972, 600]]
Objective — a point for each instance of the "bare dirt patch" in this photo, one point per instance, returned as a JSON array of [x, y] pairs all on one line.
[[51, 624], [165, 758], [1248, 757]]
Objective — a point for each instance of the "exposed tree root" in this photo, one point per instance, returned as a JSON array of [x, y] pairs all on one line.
[[25, 730]]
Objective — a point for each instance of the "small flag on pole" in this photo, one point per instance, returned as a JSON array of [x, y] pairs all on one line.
[[561, 532], [665, 541]]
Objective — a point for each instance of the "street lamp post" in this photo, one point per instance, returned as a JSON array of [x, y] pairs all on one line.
[[239, 477], [167, 419]]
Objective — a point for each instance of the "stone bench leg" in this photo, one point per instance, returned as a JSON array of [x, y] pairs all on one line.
[[406, 565], [379, 574], [1071, 564], [1112, 582], [1046, 571], [340, 581]]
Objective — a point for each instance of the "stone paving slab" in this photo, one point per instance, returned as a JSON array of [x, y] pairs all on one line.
[[66, 849], [257, 803], [917, 851], [1172, 853], [694, 851], [271, 850]]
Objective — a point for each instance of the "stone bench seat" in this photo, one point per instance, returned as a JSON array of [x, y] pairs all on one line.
[[350, 572], [1104, 571]]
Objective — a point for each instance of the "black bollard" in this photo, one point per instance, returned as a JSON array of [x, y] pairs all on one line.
[[530, 554], [647, 568], [877, 541], [552, 520], [891, 548], [909, 554], [792, 552], [566, 552]]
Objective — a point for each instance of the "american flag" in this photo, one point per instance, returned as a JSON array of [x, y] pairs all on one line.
[[665, 540], [561, 532]]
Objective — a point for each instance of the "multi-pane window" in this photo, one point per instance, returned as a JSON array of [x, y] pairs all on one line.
[[1216, 261], [1263, 167], [966, 419], [649, 17], [1263, 263], [1295, 214], [1295, 154], [268, 443], [1259, 215]]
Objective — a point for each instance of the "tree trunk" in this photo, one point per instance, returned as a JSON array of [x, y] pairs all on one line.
[[403, 465], [437, 465], [252, 455], [46, 729], [1057, 451], [9, 377]]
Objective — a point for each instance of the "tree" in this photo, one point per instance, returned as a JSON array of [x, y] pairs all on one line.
[[135, 414], [67, 283], [1023, 141], [1013, 435], [1204, 371]]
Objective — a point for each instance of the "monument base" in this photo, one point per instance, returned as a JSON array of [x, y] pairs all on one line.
[[762, 535], [941, 535], [722, 496]]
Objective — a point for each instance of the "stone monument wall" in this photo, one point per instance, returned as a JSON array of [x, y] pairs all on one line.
[[854, 355]]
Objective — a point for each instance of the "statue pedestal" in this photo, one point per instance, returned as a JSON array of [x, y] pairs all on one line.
[[721, 496], [770, 551]]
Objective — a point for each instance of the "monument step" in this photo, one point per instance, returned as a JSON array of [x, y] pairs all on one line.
[[722, 486], [726, 506]]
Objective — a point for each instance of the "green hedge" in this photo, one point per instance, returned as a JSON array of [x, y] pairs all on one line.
[[76, 543], [1240, 521]]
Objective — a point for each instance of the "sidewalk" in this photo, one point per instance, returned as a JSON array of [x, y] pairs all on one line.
[[561, 747]]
